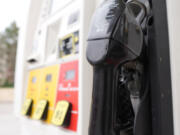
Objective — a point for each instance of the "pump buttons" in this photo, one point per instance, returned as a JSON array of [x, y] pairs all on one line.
[[41, 110], [62, 114], [27, 107]]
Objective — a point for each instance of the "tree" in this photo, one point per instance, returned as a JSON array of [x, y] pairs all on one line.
[[8, 43]]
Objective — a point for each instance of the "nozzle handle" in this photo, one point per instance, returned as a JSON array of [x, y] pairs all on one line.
[[101, 109]]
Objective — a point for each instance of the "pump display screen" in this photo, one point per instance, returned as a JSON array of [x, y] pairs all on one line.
[[66, 47], [69, 44], [70, 75]]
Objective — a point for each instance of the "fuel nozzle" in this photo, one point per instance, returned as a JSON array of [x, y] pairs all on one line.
[[116, 50], [116, 31]]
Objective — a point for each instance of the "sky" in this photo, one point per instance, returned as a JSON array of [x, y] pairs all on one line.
[[13, 10]]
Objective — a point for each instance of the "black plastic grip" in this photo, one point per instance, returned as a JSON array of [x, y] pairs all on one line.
[[102, 103]]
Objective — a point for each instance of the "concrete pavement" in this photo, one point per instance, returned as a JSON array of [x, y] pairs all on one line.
[[9, 124]]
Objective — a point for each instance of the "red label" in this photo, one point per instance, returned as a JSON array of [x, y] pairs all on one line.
[[68, 89]]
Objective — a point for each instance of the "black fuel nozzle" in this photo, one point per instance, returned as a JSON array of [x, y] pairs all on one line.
[[115, 50]]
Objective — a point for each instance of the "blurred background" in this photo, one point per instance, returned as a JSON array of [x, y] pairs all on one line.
[[12, 13]]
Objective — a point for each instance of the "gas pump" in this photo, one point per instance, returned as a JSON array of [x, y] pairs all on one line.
[[128, 49], [117, 50]]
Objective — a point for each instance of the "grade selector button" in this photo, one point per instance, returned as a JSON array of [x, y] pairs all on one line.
[[41, 110], [27, 107], [62, 114]]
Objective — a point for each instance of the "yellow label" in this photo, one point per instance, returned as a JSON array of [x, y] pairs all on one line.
[[26, 107], [60, 113], [49, 87], [40, 109], [33, 88]]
